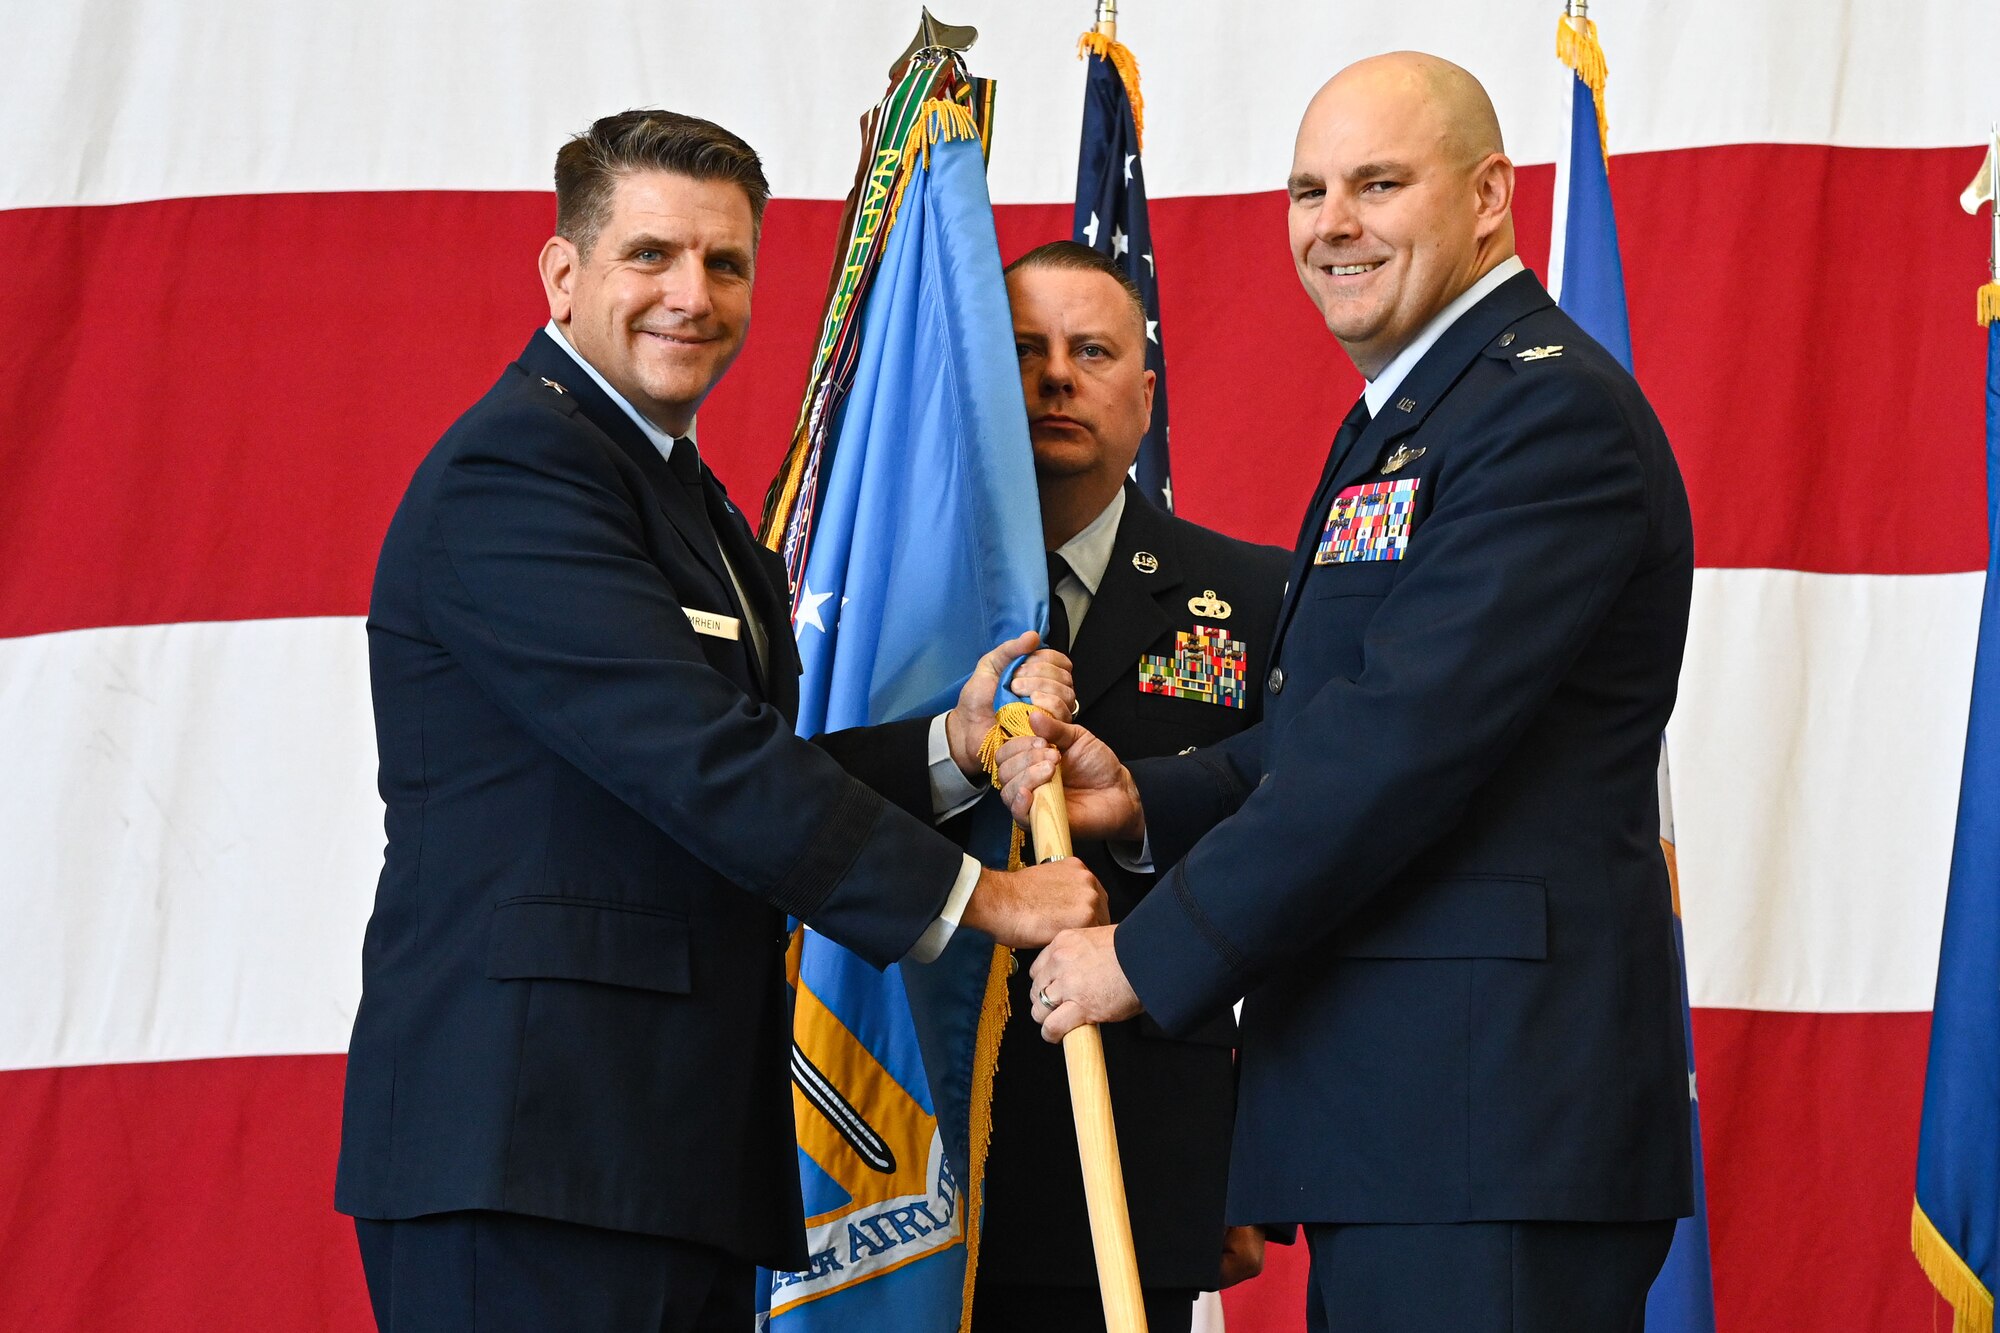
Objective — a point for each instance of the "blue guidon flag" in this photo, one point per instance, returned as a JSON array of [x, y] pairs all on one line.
[[907, 515], [1587, 279], [1111, 217]]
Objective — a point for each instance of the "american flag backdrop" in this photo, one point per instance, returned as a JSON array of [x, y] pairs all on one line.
[[261, 255]]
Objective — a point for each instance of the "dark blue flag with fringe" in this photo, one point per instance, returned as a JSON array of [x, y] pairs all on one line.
[[1111, 217]]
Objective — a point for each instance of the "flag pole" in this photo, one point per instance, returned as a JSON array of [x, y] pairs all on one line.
[[1090, 1103], [1982, 191]]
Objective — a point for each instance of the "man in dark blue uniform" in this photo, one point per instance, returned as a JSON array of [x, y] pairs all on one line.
[[567, 1103], [1168, 627], [1434, 868]]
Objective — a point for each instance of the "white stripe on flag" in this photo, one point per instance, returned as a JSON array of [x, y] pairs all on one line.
[[1815, 783], [191, 839], [238, 97], [193, 836]]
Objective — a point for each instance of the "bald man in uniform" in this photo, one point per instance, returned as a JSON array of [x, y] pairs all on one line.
[[1433, 868]]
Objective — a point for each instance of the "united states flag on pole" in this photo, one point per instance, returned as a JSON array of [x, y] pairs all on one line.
[[1111, 217]]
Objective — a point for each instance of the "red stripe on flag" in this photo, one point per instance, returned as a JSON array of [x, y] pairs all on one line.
[[213, 404], [188, 1195], [198, 1194], [1809, 1122]]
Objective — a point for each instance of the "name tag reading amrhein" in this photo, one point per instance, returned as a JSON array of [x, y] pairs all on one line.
[[714, 625]]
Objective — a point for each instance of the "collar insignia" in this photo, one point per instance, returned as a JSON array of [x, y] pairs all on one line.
[[1145, 562], [553, 385]]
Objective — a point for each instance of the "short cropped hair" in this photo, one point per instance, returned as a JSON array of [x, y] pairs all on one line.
[[1076, 255], [590, 165]]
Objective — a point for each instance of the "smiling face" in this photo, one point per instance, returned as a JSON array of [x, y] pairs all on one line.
[[660, 304], [1400, 200], [1082, 349]]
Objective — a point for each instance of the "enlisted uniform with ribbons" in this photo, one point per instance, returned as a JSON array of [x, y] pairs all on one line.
[[1171, 626]]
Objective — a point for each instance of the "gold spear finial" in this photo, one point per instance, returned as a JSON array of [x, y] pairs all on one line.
[[932, 32], [1975, 194]]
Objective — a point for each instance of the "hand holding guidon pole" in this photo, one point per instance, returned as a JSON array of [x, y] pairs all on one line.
[[1083, 1049]]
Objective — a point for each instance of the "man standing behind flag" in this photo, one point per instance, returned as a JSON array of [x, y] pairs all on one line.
[[1434, 867], [1168, 626], [566, 1099]]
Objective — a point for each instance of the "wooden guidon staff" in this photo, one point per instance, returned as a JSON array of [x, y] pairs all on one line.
[[1090, 1102], [1083, 1052]]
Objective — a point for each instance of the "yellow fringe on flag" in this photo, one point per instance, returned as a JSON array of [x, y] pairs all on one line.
[[1971, 1303], [1989, 303], [1010, 721], [994, 1012], [939, 120], [1578, 48], [1095, 43]]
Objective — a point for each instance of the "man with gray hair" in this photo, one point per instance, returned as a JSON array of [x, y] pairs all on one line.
[[567, 1100]]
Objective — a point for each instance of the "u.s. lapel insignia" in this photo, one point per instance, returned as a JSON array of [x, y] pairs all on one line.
[[1207, 666], [1540, 353], [1145, 562], [1208, 606], [553, 385], [1401, 458]]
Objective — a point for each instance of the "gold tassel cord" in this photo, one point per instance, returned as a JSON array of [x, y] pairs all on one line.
[[1094, 43], [1989, 303], [1009, 722], [939, 120], [1578, 48], [1971, 1303]]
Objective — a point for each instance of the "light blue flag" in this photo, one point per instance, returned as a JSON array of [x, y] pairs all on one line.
[[925, 552], [1587, 279], [1956, 1223]]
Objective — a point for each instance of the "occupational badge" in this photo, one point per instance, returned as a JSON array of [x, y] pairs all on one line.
[[1401, 458], [1368, 522], [1208, 606], [1540, 353], [1207, 666]]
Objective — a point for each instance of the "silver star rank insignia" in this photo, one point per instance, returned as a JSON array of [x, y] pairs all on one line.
[[1402, 458], [1540, 353]]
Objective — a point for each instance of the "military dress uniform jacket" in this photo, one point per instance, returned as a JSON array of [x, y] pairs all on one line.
[[573, 993], [1435, 866], [1173, 1097]]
